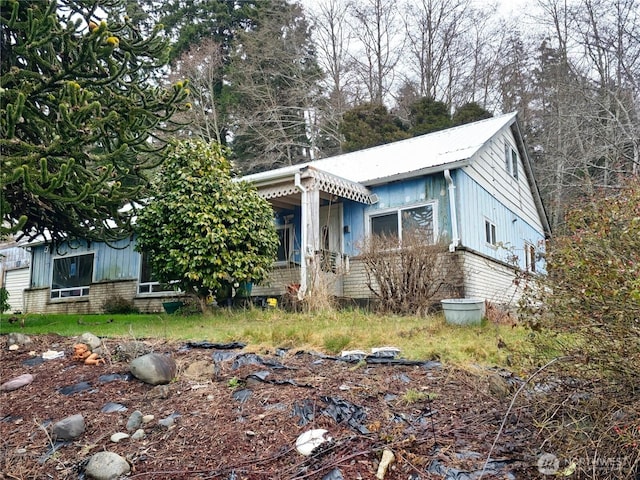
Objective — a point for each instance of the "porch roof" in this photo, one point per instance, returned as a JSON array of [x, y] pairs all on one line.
[[277, 188]]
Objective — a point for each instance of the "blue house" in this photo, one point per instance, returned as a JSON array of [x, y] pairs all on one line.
[[471, 185]]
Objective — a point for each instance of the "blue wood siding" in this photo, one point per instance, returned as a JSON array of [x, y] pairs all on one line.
[[475, 205], [116, 262], [431, 188]]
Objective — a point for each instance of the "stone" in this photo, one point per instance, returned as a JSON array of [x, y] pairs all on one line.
[[14, 347], [116, 437], [106, 466], [16, 338], [147, 418], [135, 420], [17, 382], [199, 370], [161, 392], [69, 428], [499, 387], [138, 434], [127, 351], [153, 368], [91, 340]]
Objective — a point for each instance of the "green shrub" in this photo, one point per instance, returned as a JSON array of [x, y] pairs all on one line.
[[4, 300], [118, 304], [587, 311]]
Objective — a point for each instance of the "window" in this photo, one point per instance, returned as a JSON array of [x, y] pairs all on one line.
[[511, 160], [395, 222], [490, 233], [285, 238], [530, 257], [147, 283], [72, 276]]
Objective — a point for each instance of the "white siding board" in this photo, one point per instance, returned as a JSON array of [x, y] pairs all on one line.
[[488, 169], [16, 281], [489, 280]]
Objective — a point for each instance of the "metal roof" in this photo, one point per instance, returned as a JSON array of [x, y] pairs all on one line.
[[435, 151]]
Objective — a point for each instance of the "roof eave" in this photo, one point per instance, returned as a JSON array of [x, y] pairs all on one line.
[[417, 173]]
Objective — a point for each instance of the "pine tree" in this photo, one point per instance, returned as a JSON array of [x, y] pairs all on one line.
[[81, 116]]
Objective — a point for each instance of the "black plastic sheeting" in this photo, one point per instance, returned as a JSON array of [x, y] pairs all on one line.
[[78, 387], [242, 395], [494, 468], [334, 474], [217, 346], [338, 409], [375, 359], [263, 377], [253, 359], [32, 362], [114, 377], [111, 407]]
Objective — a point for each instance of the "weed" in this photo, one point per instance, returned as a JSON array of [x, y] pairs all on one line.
[[336, 343], [413, 395]]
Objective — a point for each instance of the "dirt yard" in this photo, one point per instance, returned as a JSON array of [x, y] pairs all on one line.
[[234, 414]]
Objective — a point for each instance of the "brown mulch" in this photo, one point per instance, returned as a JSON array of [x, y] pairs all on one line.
[[219, 434]]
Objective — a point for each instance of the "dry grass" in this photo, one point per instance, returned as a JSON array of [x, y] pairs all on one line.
[[329, 331]]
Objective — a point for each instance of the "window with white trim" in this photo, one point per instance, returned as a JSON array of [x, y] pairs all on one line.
[[72, 276], [511, 160], [285, 244], [393, 223], [530, 257], [147, 284], [490, 233]]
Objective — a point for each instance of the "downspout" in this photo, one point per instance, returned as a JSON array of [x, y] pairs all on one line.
[[455, 241], [304, 204]]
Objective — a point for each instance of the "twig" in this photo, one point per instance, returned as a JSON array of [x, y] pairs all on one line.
[[513, 400]]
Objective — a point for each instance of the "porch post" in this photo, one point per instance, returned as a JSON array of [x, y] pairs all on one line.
[[310, 225]]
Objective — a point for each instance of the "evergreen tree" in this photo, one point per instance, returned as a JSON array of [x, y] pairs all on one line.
[[78, 115], [469, 112], [368, 125], [428, 115]]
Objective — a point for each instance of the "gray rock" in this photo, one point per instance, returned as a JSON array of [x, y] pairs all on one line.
[[166, 422], [161, 392], [129, 350], [91, 340], [16, 338], [138, 435], [69, 428], [154, 368], [17, 382], [135, 420], [106, 466]]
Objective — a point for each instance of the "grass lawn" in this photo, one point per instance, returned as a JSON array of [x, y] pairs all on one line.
[[329, 332]]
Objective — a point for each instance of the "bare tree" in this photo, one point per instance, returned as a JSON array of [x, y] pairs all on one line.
[[379, 47], [332, 38], [274, 79], [203, 66], [587, 99]]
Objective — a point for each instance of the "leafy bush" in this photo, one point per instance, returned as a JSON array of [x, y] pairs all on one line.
[[406, 280], [4, 300], [118, 304], [202, 229], [587, 311]]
